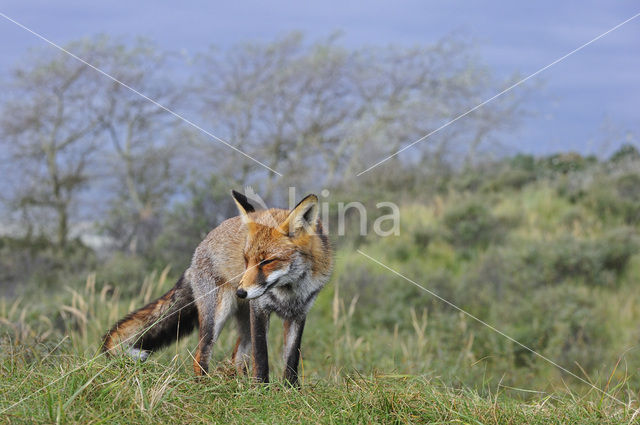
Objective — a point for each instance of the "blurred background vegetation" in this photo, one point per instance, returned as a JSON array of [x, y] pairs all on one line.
[[105, 197]]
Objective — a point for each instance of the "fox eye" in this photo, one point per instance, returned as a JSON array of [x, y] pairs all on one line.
[[267, 261], [246, 260]]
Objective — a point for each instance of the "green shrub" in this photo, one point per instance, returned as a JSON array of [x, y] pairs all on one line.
[[37, 262], [422, 238], [468, 181], [572, 258], [626, 152], [523, 162], [125, 272], [617, 198], [617, 247], [565, 163], [597, 262], [628, 187], [471, 224], [510, 179], [564, 323]]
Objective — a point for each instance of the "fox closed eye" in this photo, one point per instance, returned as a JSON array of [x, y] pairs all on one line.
[[261, 263], [267, 261]]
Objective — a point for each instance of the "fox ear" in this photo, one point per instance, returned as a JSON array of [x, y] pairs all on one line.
[[302, 217], [244, 207]]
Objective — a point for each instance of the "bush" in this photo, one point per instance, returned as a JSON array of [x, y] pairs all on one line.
[[628, 187], [617, 247], [565, 163], [511, 179], [125, 272], [597, 262], [626, 152], [564, 323], [523, 162], [471, 224], [617, 198], [468, 181], [573, 258], [27, 262]]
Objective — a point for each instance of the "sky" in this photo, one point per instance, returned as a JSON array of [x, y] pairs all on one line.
[[588, 102]]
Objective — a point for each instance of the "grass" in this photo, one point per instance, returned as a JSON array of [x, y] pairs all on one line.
[[118, 391], [49, 378], [543, 265]]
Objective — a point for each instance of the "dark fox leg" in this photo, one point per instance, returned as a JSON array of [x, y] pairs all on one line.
[[259, 328], [242, 352], [292, 339]]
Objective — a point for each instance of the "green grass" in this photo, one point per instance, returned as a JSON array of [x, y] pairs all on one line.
[[554, 264], [349, 375], [115, 391]]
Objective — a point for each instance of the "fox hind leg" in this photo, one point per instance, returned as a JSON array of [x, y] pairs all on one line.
[[138, 354]]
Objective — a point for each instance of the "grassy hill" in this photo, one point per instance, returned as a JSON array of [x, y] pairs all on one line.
[[165, 393], [546, 250]]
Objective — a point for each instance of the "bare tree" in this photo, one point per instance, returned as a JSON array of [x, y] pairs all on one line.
[[49, 123], [315, 111], [320, 113], [64, 125], [280, 102], [143, 161]]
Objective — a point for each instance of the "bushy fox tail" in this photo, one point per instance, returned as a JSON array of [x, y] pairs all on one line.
[[155, 325]]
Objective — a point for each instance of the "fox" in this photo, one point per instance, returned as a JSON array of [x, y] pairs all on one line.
[[248, 267]]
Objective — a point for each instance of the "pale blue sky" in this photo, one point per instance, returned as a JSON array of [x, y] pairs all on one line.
[[589, 97]]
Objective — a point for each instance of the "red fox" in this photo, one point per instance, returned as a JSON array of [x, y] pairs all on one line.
[[252, 265]]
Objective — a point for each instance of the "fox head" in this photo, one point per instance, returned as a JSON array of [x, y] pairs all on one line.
[[275, 254]]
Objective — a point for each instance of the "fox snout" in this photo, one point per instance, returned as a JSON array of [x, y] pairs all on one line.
[[252, 292], [252, 284]]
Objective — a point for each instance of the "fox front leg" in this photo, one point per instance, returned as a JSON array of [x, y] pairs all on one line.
[[242, 353], [292, 339], [213, 312], [259, 327]]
